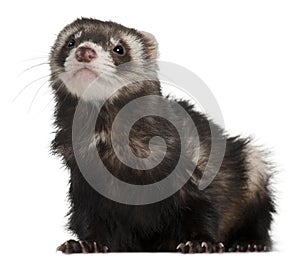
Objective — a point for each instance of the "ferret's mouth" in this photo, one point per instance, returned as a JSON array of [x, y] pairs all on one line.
[[86, 74]]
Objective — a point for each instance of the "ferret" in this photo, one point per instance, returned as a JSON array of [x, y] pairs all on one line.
[[232, 214]]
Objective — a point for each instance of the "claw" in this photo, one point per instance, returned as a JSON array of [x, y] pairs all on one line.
[[255, 248], [68, 249], [60, 248], [220, 248], [205, 246], [105, 249], [180, 246], [242, 248], [189, 243], [83, 248], [265, 249], [248, 248], [96, 250]]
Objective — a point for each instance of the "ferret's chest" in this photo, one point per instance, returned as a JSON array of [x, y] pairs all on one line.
[[101, 137], [137, 142]]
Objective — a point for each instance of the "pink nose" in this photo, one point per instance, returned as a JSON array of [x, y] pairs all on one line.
[[85, 54]]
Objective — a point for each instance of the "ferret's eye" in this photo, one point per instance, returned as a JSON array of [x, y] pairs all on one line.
[[119, 50], [71, 43]]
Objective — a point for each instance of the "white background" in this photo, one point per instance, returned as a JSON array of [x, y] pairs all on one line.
[[247, 52]]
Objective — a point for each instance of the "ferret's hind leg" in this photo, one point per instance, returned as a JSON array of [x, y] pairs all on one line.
[[251, 234]]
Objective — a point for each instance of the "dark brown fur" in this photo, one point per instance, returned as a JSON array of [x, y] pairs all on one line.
[[223, 212]]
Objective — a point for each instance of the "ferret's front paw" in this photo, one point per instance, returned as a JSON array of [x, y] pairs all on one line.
[[73, 246], [249, 247], [200, 247]]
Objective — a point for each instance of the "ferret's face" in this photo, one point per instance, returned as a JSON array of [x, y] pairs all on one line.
[[89, 51]]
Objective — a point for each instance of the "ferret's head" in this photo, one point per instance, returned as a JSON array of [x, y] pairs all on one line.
[[90, 50]]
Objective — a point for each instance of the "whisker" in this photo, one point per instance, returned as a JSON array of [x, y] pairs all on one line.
[[121, 77], [55, 73], [36, 58], [34, 66], [35, 95], [32, 82], [47, 104], [61, 84], [59, 87]]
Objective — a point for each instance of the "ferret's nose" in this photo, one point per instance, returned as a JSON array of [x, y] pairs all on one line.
[[85, 54]]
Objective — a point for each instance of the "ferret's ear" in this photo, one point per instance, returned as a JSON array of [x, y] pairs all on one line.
[[151, 44]]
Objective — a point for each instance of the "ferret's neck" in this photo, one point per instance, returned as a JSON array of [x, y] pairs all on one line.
[[66, 103], [111, 107]]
